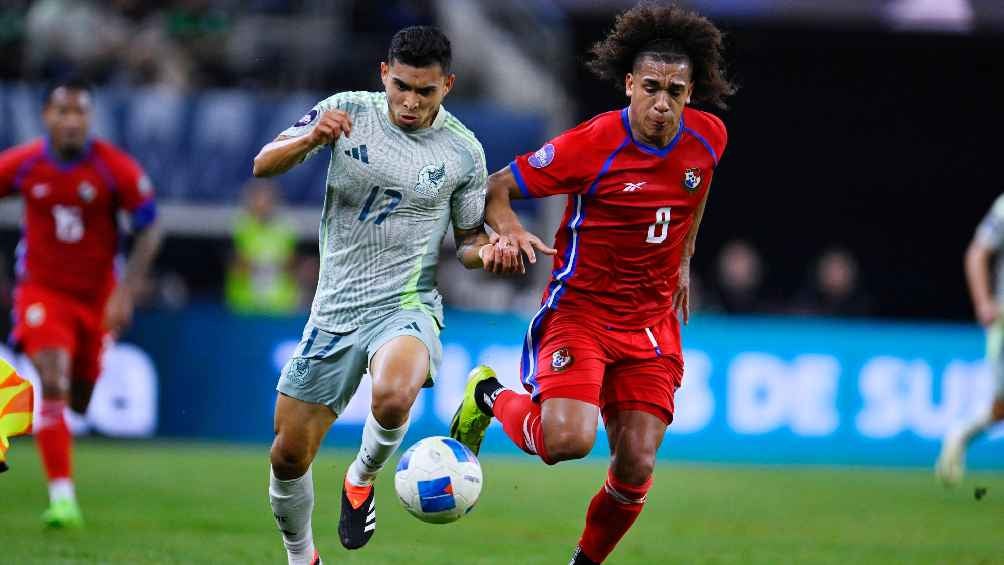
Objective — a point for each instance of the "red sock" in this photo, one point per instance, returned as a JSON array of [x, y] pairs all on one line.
[[520, 417], [53, 439], [610, 515]]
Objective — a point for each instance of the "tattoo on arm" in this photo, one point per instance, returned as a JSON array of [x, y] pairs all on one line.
[[467, 240]]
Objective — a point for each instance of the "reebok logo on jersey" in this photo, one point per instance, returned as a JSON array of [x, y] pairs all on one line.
[[40, 190], [359, 154], [633, 186]]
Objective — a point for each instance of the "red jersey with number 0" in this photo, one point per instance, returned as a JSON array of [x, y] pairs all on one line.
[[71, 210], [629, 210]]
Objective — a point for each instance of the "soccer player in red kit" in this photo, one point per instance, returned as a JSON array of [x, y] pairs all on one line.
[[606, 339], [68, 299]]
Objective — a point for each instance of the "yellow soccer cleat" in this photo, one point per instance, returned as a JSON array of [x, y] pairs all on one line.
[[470, 422], [17, 400]]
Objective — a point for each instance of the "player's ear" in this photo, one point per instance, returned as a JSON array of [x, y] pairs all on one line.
[[628, 84], [384, 73], [448, 83]]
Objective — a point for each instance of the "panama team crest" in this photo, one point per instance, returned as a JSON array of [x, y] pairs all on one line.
[[692, 178], [430, 179], [87, 191], [561, 359]]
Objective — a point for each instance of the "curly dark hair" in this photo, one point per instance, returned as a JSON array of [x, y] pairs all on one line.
[[669, 33], [421, 46]]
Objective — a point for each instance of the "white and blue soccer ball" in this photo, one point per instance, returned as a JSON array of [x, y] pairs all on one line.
[[438, 480]]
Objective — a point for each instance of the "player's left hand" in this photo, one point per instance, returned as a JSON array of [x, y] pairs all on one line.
[[118, 312], [681, 297]]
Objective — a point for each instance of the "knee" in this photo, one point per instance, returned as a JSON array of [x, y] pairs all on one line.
[[565, 445], [633, 468], [55, 385], [391, 407], [289, 460]]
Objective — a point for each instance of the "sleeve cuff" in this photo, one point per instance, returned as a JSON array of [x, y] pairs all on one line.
[[144, 215], [525, 190]]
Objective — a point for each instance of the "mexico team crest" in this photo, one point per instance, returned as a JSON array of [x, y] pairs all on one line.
[[692, 179], [430, 179], [561, 359], [297, 371]]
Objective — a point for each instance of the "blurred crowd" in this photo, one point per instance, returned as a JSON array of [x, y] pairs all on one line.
[[187, 44]]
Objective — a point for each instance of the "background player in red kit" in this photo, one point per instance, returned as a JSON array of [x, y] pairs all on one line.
[[67, 299], [606, 338]]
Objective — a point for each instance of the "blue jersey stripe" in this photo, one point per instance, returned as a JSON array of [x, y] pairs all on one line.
[[646, 147], [704, 142], [519, 180]]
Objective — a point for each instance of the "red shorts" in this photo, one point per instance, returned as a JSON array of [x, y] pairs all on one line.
[[569, 355], [45, 319]]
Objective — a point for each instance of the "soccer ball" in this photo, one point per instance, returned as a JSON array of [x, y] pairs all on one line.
[[438, 480]]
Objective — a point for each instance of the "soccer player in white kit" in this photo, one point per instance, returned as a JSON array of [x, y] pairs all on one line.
[[402, 169], [987, 303]]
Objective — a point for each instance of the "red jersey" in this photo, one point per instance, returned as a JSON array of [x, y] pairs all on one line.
[[629, 210], [70, 233]]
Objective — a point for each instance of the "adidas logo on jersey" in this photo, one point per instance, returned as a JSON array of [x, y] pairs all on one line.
[[358, 153], [633, 186]]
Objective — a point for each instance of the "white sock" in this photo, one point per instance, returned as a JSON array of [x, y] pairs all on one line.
[[292, 504], [61, 489], [377, 446], [975, 429]]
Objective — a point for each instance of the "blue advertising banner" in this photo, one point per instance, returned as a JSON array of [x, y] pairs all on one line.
[[756, 390]]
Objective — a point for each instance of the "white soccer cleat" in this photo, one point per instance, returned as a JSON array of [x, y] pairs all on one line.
[[950, 467]]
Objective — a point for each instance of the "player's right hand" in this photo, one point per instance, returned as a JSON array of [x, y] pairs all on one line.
[[527, 243], [330, 127], [987, 312]]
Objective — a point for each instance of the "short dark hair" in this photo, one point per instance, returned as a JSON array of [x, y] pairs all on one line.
[[668, 33], [69, 82], [421, 46]]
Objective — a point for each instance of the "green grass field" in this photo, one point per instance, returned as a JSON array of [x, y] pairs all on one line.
[[206, 503]]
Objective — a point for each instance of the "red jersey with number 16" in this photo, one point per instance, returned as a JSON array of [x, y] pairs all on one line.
[[629, 210], [71, 210]]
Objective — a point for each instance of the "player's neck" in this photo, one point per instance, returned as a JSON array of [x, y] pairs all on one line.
[[660, 142]]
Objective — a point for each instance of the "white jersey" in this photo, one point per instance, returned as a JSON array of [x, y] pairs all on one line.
[[991, 234], [391, 195]]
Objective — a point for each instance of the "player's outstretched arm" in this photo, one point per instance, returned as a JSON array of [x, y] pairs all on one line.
[[477, 250], [284, 153], [502, 189], [977, 265]]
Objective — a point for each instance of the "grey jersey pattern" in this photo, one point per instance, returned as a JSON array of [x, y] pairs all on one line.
[[391, 196]]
